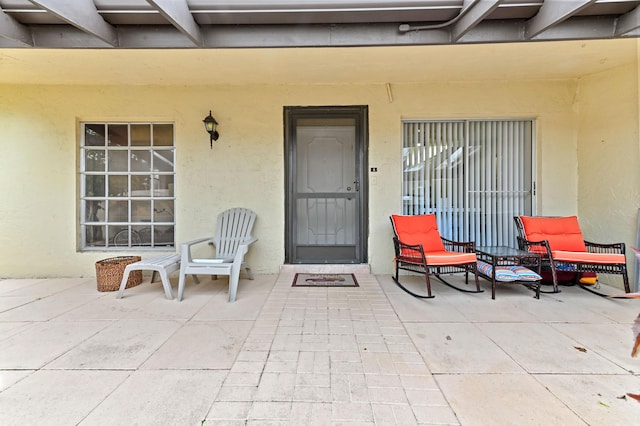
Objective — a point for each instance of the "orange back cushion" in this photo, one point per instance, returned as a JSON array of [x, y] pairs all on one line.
[[563, 233], [421, 229]]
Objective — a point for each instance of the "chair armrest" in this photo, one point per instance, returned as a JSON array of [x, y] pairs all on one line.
[[185, 248], [239, 257], [196, 241], [460, 246], [242, 250], [413, 252], [249, 241], [540, 247], [592, 247]]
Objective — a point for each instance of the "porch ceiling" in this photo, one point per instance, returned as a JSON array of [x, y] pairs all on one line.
[[355, 65], [142, 24], [249, 41]]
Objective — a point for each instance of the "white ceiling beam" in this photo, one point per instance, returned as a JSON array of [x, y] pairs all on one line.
[[551, 13], [14, 30], [83, 15], [177, 12], [473, 17], [628, 22]]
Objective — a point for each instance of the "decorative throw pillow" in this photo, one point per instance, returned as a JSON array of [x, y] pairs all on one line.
[[484, 268], [525, 274], [503, 273]]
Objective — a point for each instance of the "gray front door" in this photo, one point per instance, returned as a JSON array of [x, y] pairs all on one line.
[[326, 185]]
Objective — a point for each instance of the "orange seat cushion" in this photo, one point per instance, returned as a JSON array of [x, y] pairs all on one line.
[[563, 233], [443, 258], [584, 257], [421, 229]]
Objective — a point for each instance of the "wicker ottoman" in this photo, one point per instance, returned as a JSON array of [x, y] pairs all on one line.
[[109, 273]]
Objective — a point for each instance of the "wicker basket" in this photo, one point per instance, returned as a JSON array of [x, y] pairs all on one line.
[[109, 273]]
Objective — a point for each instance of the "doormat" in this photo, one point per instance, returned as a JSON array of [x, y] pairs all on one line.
[[324, 280]]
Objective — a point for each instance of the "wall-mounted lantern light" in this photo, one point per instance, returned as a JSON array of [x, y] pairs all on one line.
[[210, 124]]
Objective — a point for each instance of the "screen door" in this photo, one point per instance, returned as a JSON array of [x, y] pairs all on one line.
[[326, 190]]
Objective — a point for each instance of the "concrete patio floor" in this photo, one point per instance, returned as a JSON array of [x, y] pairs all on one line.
[[313, 356]]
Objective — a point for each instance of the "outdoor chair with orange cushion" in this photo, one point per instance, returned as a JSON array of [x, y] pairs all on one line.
[[563, 249], [420, 248]]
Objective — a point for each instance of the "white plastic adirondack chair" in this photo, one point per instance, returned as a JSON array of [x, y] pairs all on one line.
[[232, 240]]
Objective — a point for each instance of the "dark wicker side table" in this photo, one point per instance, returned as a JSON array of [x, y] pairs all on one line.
[[504, 256]]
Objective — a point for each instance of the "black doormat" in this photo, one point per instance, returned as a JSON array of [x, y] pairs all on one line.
[[324, 280]]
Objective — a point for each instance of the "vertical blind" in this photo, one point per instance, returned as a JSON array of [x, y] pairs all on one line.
[[474, 175]]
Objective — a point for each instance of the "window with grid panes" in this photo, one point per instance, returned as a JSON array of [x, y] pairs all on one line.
[[127, 186]]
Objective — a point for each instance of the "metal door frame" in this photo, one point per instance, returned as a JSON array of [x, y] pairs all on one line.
[[361, 115]]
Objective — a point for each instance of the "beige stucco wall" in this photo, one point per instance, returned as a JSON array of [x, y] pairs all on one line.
[[550, 103], [609, 157], [39, 166]]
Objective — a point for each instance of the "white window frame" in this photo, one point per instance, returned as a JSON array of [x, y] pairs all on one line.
[[157, 199], [474, 174]]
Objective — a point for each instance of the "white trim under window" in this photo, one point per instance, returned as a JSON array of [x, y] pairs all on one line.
[[475, 175], [127, 176]]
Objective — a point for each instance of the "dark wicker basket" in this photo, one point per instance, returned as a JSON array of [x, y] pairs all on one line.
[[109, 273]]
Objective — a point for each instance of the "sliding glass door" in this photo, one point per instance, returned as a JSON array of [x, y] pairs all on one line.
[[475, 175]]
